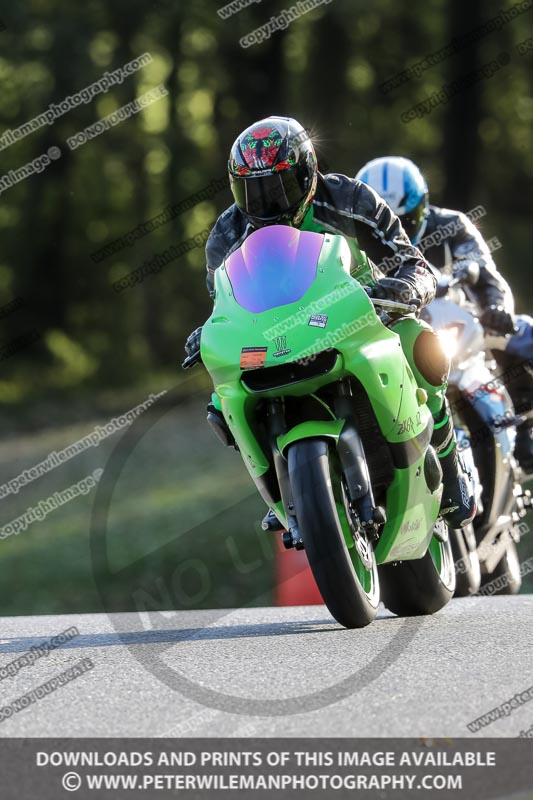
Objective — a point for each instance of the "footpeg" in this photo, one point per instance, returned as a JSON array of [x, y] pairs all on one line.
[[271, 523]]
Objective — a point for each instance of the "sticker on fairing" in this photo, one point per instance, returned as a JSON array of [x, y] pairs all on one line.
[[280, 343], [253, 357], [318, 320]]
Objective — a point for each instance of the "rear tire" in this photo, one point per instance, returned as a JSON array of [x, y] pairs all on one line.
[[466, 559], [342, 562], [422, 586]]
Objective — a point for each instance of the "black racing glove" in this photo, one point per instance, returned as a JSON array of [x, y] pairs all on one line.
[[497, 319], [192, 348], [395, 289]]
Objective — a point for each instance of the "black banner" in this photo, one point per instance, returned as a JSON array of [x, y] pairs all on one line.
[[51, 769]]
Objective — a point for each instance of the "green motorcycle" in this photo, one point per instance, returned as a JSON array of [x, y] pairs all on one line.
[[335, 433]]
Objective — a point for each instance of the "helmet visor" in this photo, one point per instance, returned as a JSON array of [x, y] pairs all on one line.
[[268, 197], [413, 220]]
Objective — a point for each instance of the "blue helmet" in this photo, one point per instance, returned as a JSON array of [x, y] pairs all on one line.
[[401, 184]]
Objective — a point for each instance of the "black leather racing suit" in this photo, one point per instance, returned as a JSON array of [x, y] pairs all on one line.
[[347, 206], [449, 237]]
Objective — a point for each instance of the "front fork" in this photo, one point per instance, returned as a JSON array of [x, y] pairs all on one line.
[[277, 427], [353, 463]]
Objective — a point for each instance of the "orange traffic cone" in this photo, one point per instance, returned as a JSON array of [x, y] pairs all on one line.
[[295, 585]]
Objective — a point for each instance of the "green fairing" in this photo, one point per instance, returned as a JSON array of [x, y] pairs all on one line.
[[408, 329], [367, 349], [360, 267]]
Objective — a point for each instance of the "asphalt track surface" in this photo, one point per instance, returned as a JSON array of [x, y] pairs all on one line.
[[276, 672]]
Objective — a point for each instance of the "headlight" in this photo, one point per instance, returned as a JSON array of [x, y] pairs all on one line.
[[449, 338]]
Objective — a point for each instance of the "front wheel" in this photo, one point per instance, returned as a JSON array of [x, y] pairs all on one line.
[[341, 559], [422, 586]]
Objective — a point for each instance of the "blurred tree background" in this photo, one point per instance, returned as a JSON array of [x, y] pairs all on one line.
[[92, 352]]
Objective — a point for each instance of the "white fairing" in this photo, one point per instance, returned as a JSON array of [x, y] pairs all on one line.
[[443, 313], [469, 371]]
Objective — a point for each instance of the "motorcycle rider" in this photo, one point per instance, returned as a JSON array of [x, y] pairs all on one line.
[[274, 179], [401, 184]]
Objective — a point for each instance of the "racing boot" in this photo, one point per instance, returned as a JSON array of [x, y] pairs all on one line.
[[458, 505]]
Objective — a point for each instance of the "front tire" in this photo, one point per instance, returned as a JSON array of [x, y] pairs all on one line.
[[341, 560], [422, 586]]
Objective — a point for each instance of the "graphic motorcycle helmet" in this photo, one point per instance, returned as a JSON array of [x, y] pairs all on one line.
[[273, 172], [403, 187]]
